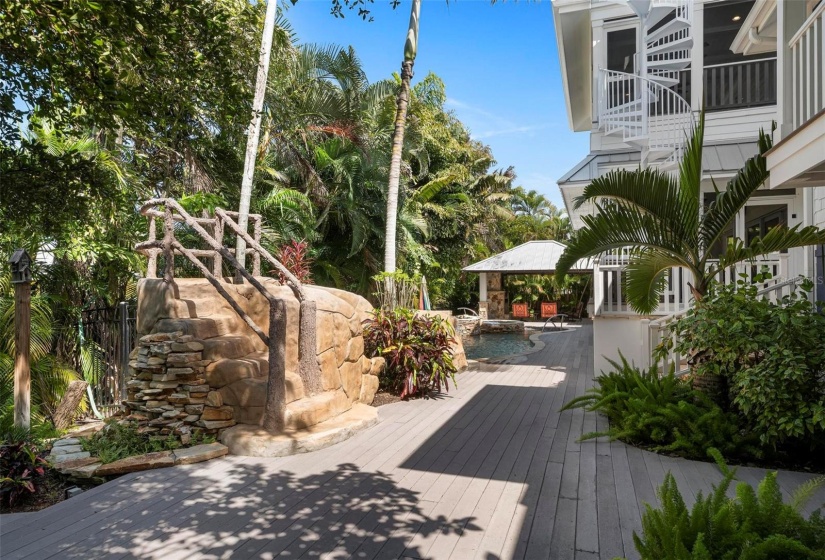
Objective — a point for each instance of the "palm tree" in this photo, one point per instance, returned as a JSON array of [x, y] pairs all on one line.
[[410, 50], [657, 216], [533, 204]]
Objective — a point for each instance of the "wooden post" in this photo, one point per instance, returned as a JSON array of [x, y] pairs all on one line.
[[21, 278], [22, 371]]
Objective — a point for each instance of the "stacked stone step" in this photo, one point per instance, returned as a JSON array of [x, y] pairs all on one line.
[[168, 393]]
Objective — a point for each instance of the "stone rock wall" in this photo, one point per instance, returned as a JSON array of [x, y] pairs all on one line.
[[198, 365], [168, 392], [502, 326]]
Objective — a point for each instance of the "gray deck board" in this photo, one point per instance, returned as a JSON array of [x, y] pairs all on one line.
[[491, 470]]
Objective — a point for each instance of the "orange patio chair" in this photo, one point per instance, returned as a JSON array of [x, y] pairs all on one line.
[[549, 309], [521, 311]]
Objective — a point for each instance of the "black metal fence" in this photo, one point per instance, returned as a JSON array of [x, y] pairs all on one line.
[[109, 334]]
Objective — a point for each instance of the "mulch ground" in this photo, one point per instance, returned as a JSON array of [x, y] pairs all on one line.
[[382, 398], [50, 490]]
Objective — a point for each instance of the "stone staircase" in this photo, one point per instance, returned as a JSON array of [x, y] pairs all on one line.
[[234, 360]]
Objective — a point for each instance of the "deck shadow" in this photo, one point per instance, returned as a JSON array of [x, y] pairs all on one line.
[[503, 433], [247, 511]]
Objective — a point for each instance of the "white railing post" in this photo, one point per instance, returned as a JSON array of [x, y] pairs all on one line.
[[598, 289], [647, 354], [783, 266], [807, 48]]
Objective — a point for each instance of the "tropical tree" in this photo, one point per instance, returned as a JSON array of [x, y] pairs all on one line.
[[658, 217], [403, 99], [533, 204]]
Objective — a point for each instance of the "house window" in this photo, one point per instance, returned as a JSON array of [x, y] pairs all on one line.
[[621, 50], [759, 220], [718, 249], [731, 80]]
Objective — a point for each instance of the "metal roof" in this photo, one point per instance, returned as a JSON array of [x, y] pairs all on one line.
[[533, 257], [717, 158]]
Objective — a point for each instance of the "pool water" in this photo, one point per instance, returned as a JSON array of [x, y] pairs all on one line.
[[496, 345]]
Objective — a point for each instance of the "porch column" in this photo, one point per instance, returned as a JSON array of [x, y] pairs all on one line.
[[482, 295], [697, 64]]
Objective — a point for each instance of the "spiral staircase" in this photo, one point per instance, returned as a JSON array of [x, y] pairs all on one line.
[[643, 108]]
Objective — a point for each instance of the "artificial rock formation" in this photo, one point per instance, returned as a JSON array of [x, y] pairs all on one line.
[[168, 392], [200, 366]]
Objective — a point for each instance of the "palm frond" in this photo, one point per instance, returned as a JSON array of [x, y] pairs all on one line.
[[776, 240], [722, 211], [616, 227], [652, 192], [646, 277]]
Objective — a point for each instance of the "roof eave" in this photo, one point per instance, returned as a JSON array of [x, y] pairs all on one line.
[[571, 20]]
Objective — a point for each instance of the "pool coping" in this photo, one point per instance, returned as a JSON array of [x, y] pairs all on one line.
[[538, 345]]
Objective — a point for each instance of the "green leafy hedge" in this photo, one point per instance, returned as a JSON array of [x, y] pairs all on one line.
[[770, 355]]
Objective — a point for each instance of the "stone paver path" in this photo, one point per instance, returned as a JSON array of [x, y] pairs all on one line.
[[491, 470]]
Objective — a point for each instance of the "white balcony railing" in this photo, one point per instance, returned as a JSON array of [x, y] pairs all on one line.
[[807, 59], [609, 275]]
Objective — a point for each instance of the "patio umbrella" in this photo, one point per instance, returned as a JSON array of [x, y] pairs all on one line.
[[424, 299]]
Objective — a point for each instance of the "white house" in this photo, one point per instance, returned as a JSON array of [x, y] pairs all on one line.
[[637, 72]]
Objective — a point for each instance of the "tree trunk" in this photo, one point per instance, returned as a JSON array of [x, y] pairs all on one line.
[[64, 414], [395, 166], [22, 370], [254, 133], [403, 101]]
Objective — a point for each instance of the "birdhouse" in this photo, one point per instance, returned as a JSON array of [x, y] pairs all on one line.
[[20, 267]]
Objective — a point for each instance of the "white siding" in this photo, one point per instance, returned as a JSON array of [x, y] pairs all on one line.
[[614, 334], [739, 123]]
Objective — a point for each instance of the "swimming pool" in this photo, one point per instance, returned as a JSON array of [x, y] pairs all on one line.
[[496, 345]]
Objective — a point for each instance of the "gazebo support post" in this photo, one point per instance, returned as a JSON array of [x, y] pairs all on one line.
[[482, 295]]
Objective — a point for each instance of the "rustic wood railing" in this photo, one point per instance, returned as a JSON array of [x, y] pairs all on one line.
[[275, 339]]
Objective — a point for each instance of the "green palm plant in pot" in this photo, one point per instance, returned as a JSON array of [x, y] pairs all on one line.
[[657, 215]]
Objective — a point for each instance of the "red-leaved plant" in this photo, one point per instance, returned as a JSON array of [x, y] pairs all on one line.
[[22, 467], [417, 349], [295, 257]]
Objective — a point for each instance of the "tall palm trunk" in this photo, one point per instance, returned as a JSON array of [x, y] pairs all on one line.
[[254, 131], [410, 50]]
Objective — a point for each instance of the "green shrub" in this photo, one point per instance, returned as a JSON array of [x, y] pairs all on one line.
[[772, 357], [662, 413], [22, 467], [755, 525], [417, 349], [118, 441]]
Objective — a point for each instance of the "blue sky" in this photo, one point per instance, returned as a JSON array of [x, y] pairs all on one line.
[[499, 63]]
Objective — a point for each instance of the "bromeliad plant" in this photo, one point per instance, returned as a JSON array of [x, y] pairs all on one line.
[[417, 349], [658, 217]]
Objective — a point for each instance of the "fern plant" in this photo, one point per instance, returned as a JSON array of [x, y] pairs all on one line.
[[755, 525], [663, 413]]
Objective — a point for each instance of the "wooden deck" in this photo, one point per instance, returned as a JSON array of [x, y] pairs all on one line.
[[490, 471]]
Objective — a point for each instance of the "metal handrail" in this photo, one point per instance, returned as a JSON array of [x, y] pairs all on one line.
[[669, 123], [472, 311]]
